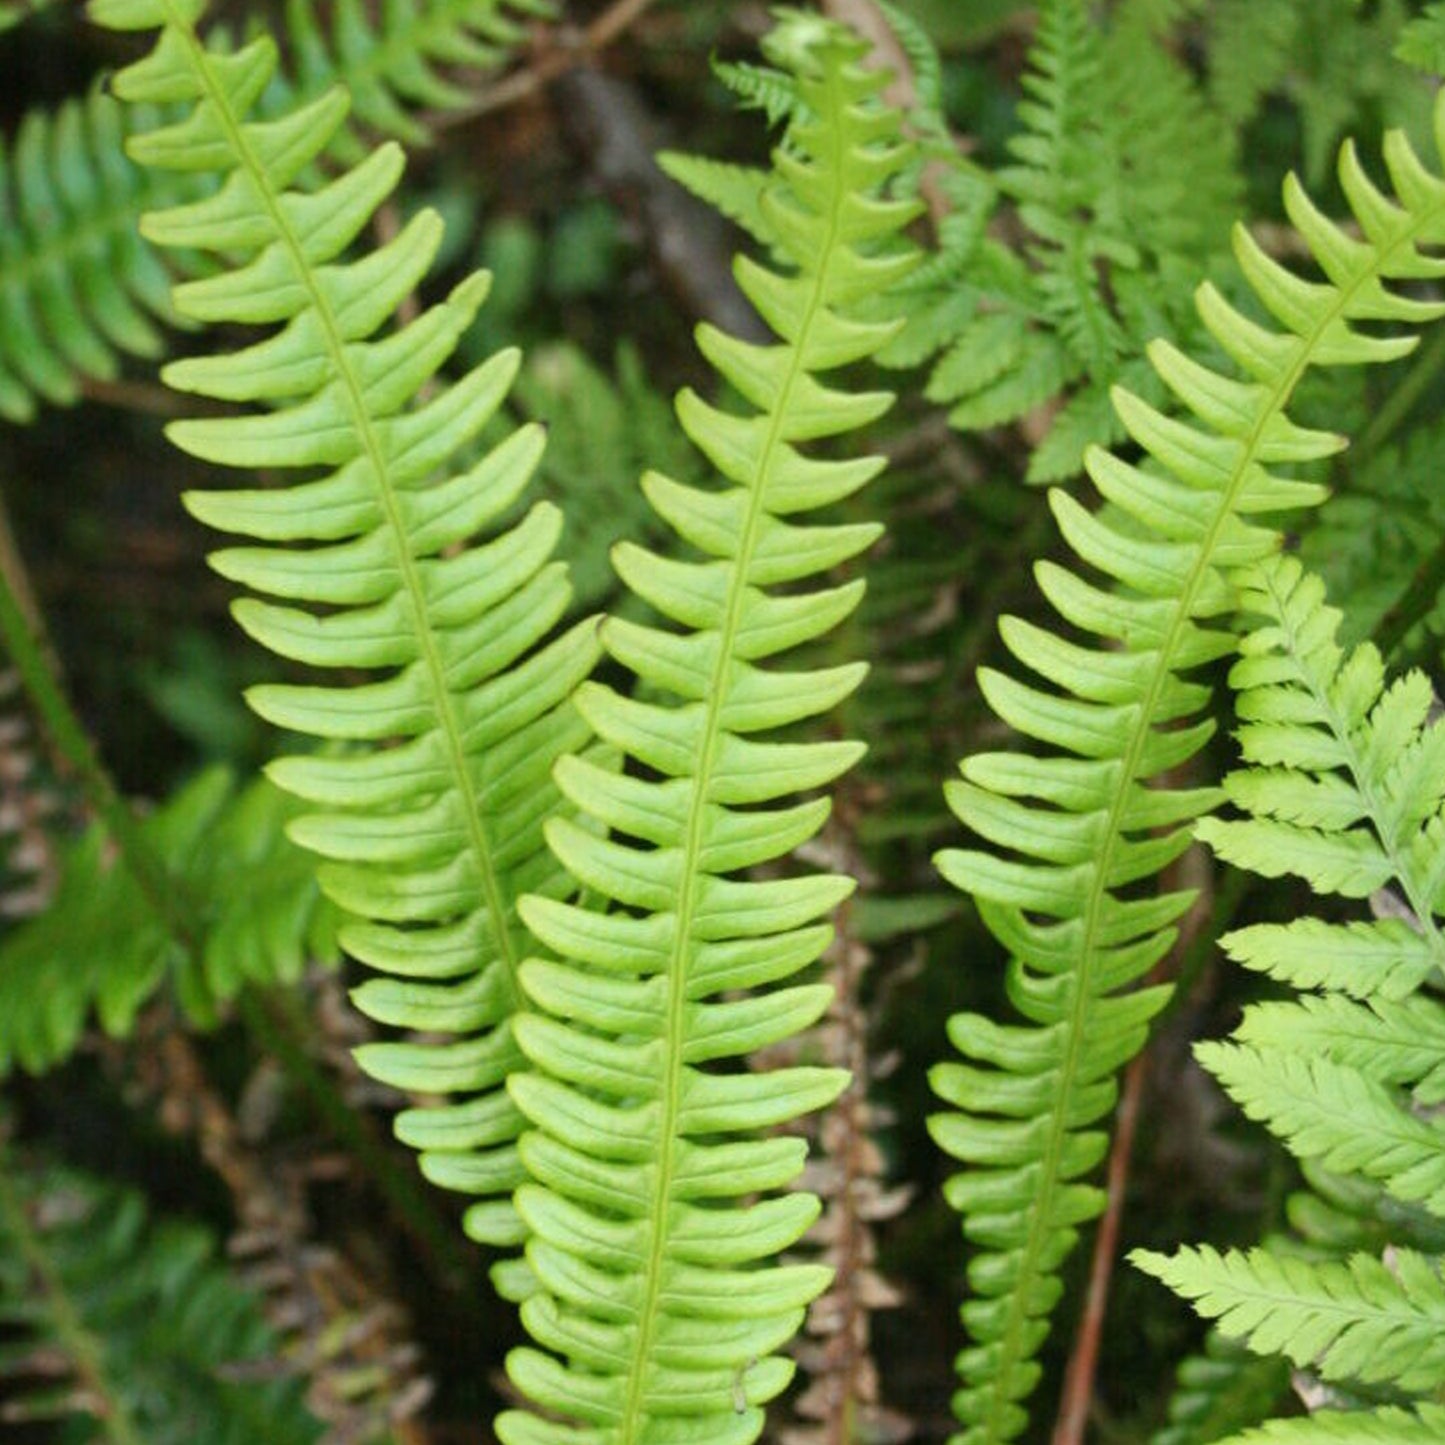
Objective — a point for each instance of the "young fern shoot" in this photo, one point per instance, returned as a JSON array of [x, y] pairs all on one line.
[[1344, 786], [1073, 831], [378, 567], [657, 1316]]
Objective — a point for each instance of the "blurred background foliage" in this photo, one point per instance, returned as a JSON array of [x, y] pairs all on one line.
[[1096, 155]]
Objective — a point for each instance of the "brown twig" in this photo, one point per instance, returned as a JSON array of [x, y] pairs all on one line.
[[1078, 1391], [569, 50]]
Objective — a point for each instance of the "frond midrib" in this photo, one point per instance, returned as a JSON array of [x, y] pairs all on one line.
[[495, 897], [691, 871], [1081, 977]]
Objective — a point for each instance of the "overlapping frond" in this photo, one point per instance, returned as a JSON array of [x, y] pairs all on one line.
[[102, 949], [657, 1316], [1344, 785], [1076, 830], [128, 1331], [389, 565]]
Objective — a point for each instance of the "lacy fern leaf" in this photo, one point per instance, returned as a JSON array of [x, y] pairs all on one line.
[[377, 567], [1345, 781], [1077, 829], [1353, 1320], [652, 1285]]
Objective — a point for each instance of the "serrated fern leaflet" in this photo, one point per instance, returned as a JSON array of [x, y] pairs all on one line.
[[652, 1285], [1077, 829], [429, 841]]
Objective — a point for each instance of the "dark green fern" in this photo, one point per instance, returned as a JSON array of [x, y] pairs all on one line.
[[129, 1332]]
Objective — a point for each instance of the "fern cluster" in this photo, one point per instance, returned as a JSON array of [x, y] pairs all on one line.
[[1344, 786], [103, 949], [1074, 830]]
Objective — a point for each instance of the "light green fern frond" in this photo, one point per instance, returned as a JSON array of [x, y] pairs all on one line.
[[1344, 785], [388, 565], [131, 1333], [657, 1316], [101, 948], [1076, 830]]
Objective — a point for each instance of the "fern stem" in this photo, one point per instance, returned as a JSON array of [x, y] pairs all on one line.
[[1001, 1387], [695, 835], [85, 1351], [364, 428]]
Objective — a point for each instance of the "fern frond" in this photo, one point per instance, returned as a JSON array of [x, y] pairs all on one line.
[[101, 947], [653, 1287], [145, 1330], [1345, 774], [78, 286], [377, 567], [1346, 777], [1358, 1320], [1079, 828]]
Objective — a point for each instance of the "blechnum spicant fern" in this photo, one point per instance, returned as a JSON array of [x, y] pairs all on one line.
[[1344, 786], [657, 1316], [378, 567], [1079, 829]]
